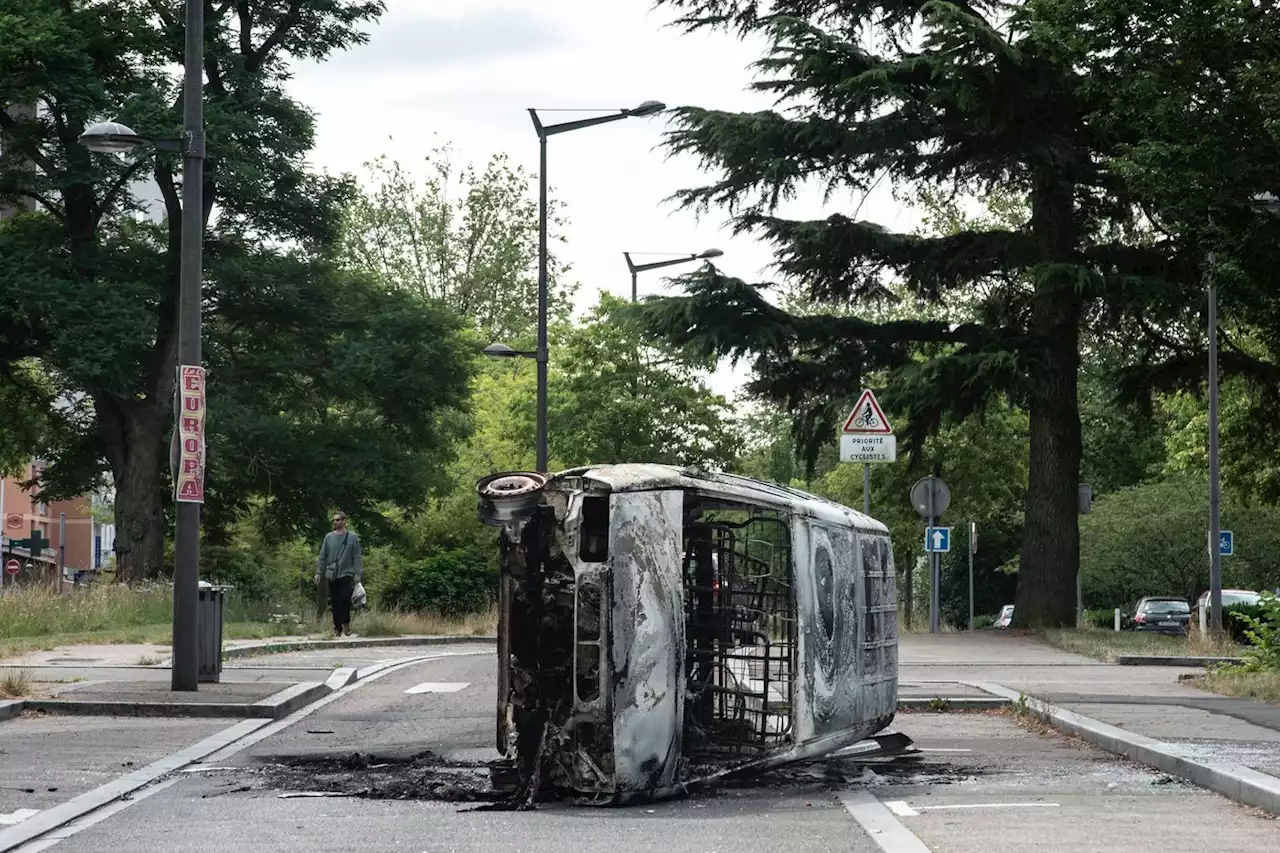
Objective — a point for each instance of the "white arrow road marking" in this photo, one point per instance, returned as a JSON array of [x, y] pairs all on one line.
[[438, 687]]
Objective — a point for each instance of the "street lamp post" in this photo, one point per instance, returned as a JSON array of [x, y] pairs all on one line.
[[1270, 203], [653, 265], [544, 131], [115, 137]]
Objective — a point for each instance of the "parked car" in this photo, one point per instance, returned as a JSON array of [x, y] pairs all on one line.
[[1165, 615], [1005, 617], [1230, 597]]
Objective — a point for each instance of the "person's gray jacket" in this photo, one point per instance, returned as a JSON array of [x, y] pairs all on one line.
[[348, 557]]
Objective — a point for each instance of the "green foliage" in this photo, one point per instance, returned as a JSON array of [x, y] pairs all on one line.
[[1263, 632], [1238, 619], [453, 583], [463, 238], [364, 414], [1102, 618], [622, 398], [1096, 229], [1150, 539], [323, 387]]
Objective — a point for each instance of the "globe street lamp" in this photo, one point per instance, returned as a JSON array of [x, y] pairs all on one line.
[[113, 137], [653, 265]]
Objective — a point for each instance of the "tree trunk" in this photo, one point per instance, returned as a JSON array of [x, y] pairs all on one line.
[[135, 433], [1050, 559]]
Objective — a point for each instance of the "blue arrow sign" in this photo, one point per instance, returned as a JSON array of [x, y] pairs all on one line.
[[937, 539], [1226, 543]]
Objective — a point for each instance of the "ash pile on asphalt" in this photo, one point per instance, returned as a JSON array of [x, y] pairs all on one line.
[[423, 776], [427, 776]]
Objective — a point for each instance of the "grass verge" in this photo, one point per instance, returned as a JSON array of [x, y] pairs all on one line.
[[1242, 685], [34, 619], [1107, 645]]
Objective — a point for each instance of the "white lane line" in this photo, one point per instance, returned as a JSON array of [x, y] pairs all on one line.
[[233, 740], [879, 823], [992, 806], [900, 808], [17, 816], [438, 687]]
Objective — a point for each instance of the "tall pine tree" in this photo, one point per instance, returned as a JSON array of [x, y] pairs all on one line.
[[950, 97]]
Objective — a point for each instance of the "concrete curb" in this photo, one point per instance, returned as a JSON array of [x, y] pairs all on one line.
[[272, 708], [1171, 660], [1242, 784], [952, 703], [272, 647], [11, 708]]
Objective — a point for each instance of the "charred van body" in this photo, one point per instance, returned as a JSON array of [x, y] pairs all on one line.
[[660, 627]]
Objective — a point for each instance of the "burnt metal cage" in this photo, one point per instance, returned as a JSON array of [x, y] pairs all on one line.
[[740, 614]]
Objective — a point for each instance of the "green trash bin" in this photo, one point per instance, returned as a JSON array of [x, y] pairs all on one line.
[[211, 605]]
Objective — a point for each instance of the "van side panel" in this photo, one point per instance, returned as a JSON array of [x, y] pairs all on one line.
[[647, 647], [827, 611]]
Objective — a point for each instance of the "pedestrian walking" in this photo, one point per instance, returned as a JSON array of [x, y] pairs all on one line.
[[339, 564]]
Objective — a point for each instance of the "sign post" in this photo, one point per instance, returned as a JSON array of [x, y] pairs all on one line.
[[868, 438], [931, 497], [973, 549]]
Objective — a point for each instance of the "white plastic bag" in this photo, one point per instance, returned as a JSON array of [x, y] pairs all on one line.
[[358, 597]]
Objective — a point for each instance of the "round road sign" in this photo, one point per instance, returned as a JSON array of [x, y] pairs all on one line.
[[12, 567], [930, 493]]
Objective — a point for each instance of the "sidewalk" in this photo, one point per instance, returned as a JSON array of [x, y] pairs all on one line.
[[1145, 701]]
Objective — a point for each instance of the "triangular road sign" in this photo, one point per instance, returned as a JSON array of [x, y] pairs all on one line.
[[867, 417]]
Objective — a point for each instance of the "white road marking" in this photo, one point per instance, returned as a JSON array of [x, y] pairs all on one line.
[[17, 816], [879, 823], [902, 809], [992, 806], [257, 732], [438, 687]]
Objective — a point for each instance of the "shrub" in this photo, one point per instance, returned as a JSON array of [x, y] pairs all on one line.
[[1234, 620], [1263, 633], [454, 583], [1101, 618]]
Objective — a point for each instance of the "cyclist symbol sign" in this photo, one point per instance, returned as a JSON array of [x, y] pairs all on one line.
[[867, 436]]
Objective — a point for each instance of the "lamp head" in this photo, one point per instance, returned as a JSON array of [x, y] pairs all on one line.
[[647, 108], [110, 137], [711, 253], [499, 351]]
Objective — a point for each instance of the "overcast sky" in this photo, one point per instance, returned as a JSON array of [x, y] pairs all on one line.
[[466, 73]]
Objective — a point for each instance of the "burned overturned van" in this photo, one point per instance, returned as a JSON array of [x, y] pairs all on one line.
[[661, 627]]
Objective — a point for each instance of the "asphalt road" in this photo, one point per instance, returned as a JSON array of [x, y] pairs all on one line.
[[984, 782]]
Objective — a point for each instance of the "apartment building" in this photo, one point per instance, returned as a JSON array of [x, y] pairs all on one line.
[[76, 539]]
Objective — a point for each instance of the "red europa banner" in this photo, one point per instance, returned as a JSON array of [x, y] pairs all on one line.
[[189, 485]]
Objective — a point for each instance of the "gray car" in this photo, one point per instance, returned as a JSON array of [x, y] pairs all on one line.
[[1164, 615]]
